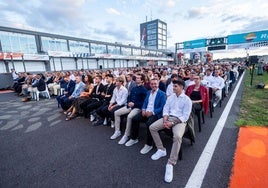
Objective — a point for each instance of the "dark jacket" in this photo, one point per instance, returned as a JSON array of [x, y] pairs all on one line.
[[137, 96], [100, 90], [41, 85], [108, 90], [69, 88]]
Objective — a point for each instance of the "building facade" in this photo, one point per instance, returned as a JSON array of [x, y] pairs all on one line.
[[31, 51], [153, 35]]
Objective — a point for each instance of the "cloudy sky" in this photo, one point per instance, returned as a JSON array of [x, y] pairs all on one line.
[[119, 20]]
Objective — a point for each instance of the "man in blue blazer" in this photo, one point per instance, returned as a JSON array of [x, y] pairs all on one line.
[[69, 86], [151, 111]]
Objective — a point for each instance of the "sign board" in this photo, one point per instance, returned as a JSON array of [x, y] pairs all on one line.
[[257, 36], [194, 44], [11, 55]]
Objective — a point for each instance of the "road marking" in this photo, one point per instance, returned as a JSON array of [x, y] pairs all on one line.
[[199, 172]]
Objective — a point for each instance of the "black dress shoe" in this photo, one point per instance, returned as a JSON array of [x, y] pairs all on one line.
[[97, 123]]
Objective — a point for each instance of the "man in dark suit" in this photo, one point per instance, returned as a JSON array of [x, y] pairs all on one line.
[[106, 97], [151, 111], [130, 83], [161, 84], [68, 89]]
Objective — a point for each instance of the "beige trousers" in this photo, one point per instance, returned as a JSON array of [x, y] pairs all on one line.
[[122, 111], [178, 132]]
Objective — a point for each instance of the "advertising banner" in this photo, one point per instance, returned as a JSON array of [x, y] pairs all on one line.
[[257, 36], [194, 44]]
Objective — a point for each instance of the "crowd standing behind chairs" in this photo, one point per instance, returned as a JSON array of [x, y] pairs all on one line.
[[160, 96]]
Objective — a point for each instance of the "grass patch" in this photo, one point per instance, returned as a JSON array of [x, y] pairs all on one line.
[[254, 104]]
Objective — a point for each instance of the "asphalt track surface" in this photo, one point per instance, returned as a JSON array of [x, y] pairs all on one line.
[[38, 148]]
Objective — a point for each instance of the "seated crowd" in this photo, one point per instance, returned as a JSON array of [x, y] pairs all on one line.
[[160, 97]]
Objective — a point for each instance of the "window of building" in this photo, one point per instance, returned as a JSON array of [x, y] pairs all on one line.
[[144, 52], [151, 37], [17, 42], [151, 31], [151, 26], [152, 42], [98, 48], [125, 51], [113, 50], [54, 44], [136, 52], [79, 47]]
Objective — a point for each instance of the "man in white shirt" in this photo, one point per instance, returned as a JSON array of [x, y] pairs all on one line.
[[190, 81], [170, 86], [176, 112], [118, 100], [217, 84], [208, 78]]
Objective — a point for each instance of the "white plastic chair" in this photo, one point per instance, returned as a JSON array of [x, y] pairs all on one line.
[[37, 93]]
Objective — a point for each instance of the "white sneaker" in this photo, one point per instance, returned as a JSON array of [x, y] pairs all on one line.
[[160, 153], [112, 124], [146, 149], [169, 173], [215, 104], [105, 121], [115, 135], [92, 118], [123, 140], [131, 142]]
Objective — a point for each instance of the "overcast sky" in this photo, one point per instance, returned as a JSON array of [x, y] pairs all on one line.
[[119, 20]]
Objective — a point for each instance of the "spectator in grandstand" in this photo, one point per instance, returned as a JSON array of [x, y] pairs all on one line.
[[217, 84], [103, 81], [106, 95], [118, 100], [38, 84], [164, 76], [175, 114], [14, 75], [133, 107], [29, 81], [208, 78], [75, 109], [170, 86], [151, 111], [66, 100], [96, 99], [190, 81], [187, 73], [54, 83], [161, 85], [199, 95], [18, 84], [130, 83]]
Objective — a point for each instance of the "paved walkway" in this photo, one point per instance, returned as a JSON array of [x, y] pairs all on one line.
[[40, 149]]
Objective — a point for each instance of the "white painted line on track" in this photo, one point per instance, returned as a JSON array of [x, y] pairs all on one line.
[[199, 172]]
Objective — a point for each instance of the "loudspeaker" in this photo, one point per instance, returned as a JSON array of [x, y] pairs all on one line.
[[100, 67], [253, 59]]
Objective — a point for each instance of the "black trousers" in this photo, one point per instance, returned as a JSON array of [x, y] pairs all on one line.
[[105, 113], [89, 106], [136, 127]]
